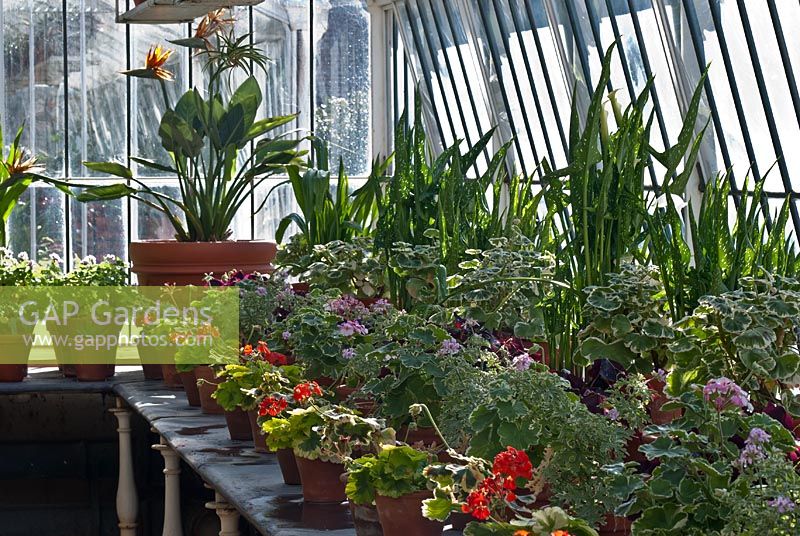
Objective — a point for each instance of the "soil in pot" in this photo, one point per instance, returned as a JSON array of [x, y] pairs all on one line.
[[159, 262], [321, 481], [238, 425], [365, 520], [207, 384], [402, 516], [171, 377], [189, 382], [258, 438]]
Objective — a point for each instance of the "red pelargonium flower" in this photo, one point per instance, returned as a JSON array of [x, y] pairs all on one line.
[[304, 391], [512, 464], [262, 348], [277, 359], [272, 406]]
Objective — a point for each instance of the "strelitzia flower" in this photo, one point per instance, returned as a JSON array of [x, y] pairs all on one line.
[[21, 163], [212, 24], [153, 68]]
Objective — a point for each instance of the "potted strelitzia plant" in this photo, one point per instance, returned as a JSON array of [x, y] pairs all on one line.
[[219, 153]]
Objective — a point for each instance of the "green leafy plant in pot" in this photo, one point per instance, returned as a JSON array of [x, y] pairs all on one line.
[[394, 480], [317, 434], [219, 151]]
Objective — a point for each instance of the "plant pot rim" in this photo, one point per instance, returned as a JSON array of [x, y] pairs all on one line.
[[415, 494]]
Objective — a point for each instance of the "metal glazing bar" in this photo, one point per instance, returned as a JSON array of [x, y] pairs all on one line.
[[506, 40], [495, 54], [787, 65], [545, 71], [431, 49], [768, 112], [697, 44], [426, 70], [583, 50]]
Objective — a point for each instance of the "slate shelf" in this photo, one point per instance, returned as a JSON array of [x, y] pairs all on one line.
[[249, 481]]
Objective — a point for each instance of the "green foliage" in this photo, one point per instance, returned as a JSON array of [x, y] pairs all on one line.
[[544, 522], [534, 411], [748, 335], [394, 472], [629, 397], [722, 254], [206, 139], [504, 287], [627, 321], [352, 267], [702, 486], [316, 433], [327, 217]]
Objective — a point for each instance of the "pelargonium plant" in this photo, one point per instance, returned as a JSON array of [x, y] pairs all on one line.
[[722, 470], [327, 328], [264, 300]]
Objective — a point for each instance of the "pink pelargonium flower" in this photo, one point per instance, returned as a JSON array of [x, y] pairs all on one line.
[[724, 393], [450, 347], [346, 306], [522, 362], [352, 327]]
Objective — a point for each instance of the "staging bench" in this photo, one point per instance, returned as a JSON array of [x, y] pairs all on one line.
[[244, 482]]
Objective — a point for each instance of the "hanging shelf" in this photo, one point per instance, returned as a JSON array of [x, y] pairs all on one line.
[[173, 11]]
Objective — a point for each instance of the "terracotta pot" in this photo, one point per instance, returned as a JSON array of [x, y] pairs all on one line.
[[172, 379], [659, 416], [460, 520], [189, 382], [402, 516], [148, 355], [365, 406], [287, 461], [159, 262], [94, 373], [259, 441], [13, 373], [238, 425], [207, 384], [14, 354], [632, 447], [68, 370], [301, 289], [321, 481], [615, 526], [366, 520], [425, 435]]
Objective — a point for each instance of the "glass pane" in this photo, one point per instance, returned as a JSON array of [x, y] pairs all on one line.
[[99, 228], [97, 90], [342, 81], [37, 224], [32, 77], [147, 100], [149, 223]]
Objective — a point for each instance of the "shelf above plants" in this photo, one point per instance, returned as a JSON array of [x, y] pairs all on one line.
[[173, 11]]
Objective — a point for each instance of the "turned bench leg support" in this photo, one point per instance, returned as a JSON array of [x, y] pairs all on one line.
[[228, 515], [172, 490], [127, 500]]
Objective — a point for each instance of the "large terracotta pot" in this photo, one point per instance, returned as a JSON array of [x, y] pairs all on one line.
[[238, 425], [14, 353], [322, 481], [149, 356], [189, 381], [158, 262], [402, 516], [93, 363], [206, 384]]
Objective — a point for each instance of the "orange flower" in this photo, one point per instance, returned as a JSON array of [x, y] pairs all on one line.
[[248, 349], [156, 58], [560, 533], [522, 532], [211, 24], [20, 164]]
